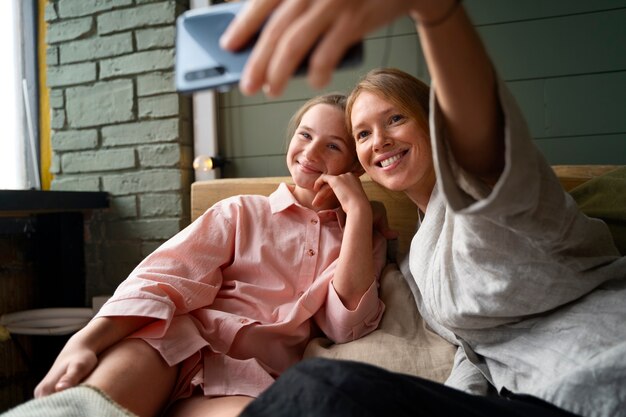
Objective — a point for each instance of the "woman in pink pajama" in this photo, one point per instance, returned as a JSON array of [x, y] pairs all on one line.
[[210, 319]]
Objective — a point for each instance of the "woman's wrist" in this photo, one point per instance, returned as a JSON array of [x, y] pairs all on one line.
[[361, 213], [82, 340], [435, 13]]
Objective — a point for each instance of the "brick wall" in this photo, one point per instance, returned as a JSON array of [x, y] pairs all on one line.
[[119, 126]]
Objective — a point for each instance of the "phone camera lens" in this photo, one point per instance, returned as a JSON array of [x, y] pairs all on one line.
[[205, 73]]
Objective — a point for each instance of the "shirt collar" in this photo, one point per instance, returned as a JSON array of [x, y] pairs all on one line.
[[283, 198]]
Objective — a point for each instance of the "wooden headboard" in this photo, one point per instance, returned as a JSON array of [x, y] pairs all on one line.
[[401, 211], [572, 176]]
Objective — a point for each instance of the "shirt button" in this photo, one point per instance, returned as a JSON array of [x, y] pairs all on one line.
[[243, 321], [313, 221], [311, 252]]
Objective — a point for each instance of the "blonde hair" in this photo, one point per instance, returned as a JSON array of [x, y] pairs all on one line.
[[403, 90], [337, 100]]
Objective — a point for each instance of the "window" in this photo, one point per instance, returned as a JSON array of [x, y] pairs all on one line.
[[18, 101]]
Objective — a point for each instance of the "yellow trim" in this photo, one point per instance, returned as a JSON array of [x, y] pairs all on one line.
[[45, 145]]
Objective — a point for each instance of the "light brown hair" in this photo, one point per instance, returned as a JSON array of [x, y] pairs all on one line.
[[403, 90]]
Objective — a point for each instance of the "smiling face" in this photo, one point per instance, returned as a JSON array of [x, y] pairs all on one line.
[[387, 115], [393, 148], [320, 145]]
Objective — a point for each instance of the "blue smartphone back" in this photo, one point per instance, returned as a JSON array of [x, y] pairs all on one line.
[[200, 61]]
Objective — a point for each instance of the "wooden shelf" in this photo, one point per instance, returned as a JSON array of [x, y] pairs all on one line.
[[13, 202]]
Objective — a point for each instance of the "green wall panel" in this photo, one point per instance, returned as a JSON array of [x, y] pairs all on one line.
[[255, 130], [557, 47], [257, 166], [485, 12], [584, 150], [573, 106], [586, 105]]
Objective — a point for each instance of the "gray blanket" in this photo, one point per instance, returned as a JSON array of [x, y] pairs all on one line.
[[81, 401]]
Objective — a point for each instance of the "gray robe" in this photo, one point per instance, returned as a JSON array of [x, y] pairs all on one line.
[[532, 291]]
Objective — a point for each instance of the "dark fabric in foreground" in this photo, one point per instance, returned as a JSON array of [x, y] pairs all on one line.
[[327, 388]]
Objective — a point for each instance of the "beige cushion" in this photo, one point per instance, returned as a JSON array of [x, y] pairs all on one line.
[[604, 197], [402, 342]]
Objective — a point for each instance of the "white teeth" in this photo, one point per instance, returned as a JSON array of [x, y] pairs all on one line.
[[386, 162]]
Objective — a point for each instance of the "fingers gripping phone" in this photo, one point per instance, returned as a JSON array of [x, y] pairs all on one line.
[[202, 64]]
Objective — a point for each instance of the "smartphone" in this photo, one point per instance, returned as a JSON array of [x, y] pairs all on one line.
[[202, 64]]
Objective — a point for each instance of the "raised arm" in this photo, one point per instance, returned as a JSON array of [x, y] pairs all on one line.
[[456, 58], [465, 82]]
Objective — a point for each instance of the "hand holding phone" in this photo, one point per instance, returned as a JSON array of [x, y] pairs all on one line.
[[200, 61]]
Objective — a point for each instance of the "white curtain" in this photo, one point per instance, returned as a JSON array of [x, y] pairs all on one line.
[[12, 139]]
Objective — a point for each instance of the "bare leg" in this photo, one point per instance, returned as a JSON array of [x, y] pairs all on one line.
[[135, 376], [199, 406]]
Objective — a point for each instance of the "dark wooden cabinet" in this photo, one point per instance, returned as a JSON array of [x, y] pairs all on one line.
[[42, 265]]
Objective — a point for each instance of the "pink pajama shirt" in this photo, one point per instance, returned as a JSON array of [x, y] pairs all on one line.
[[240, 292]]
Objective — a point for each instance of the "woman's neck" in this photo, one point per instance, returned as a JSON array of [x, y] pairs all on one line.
[[421, 192]]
